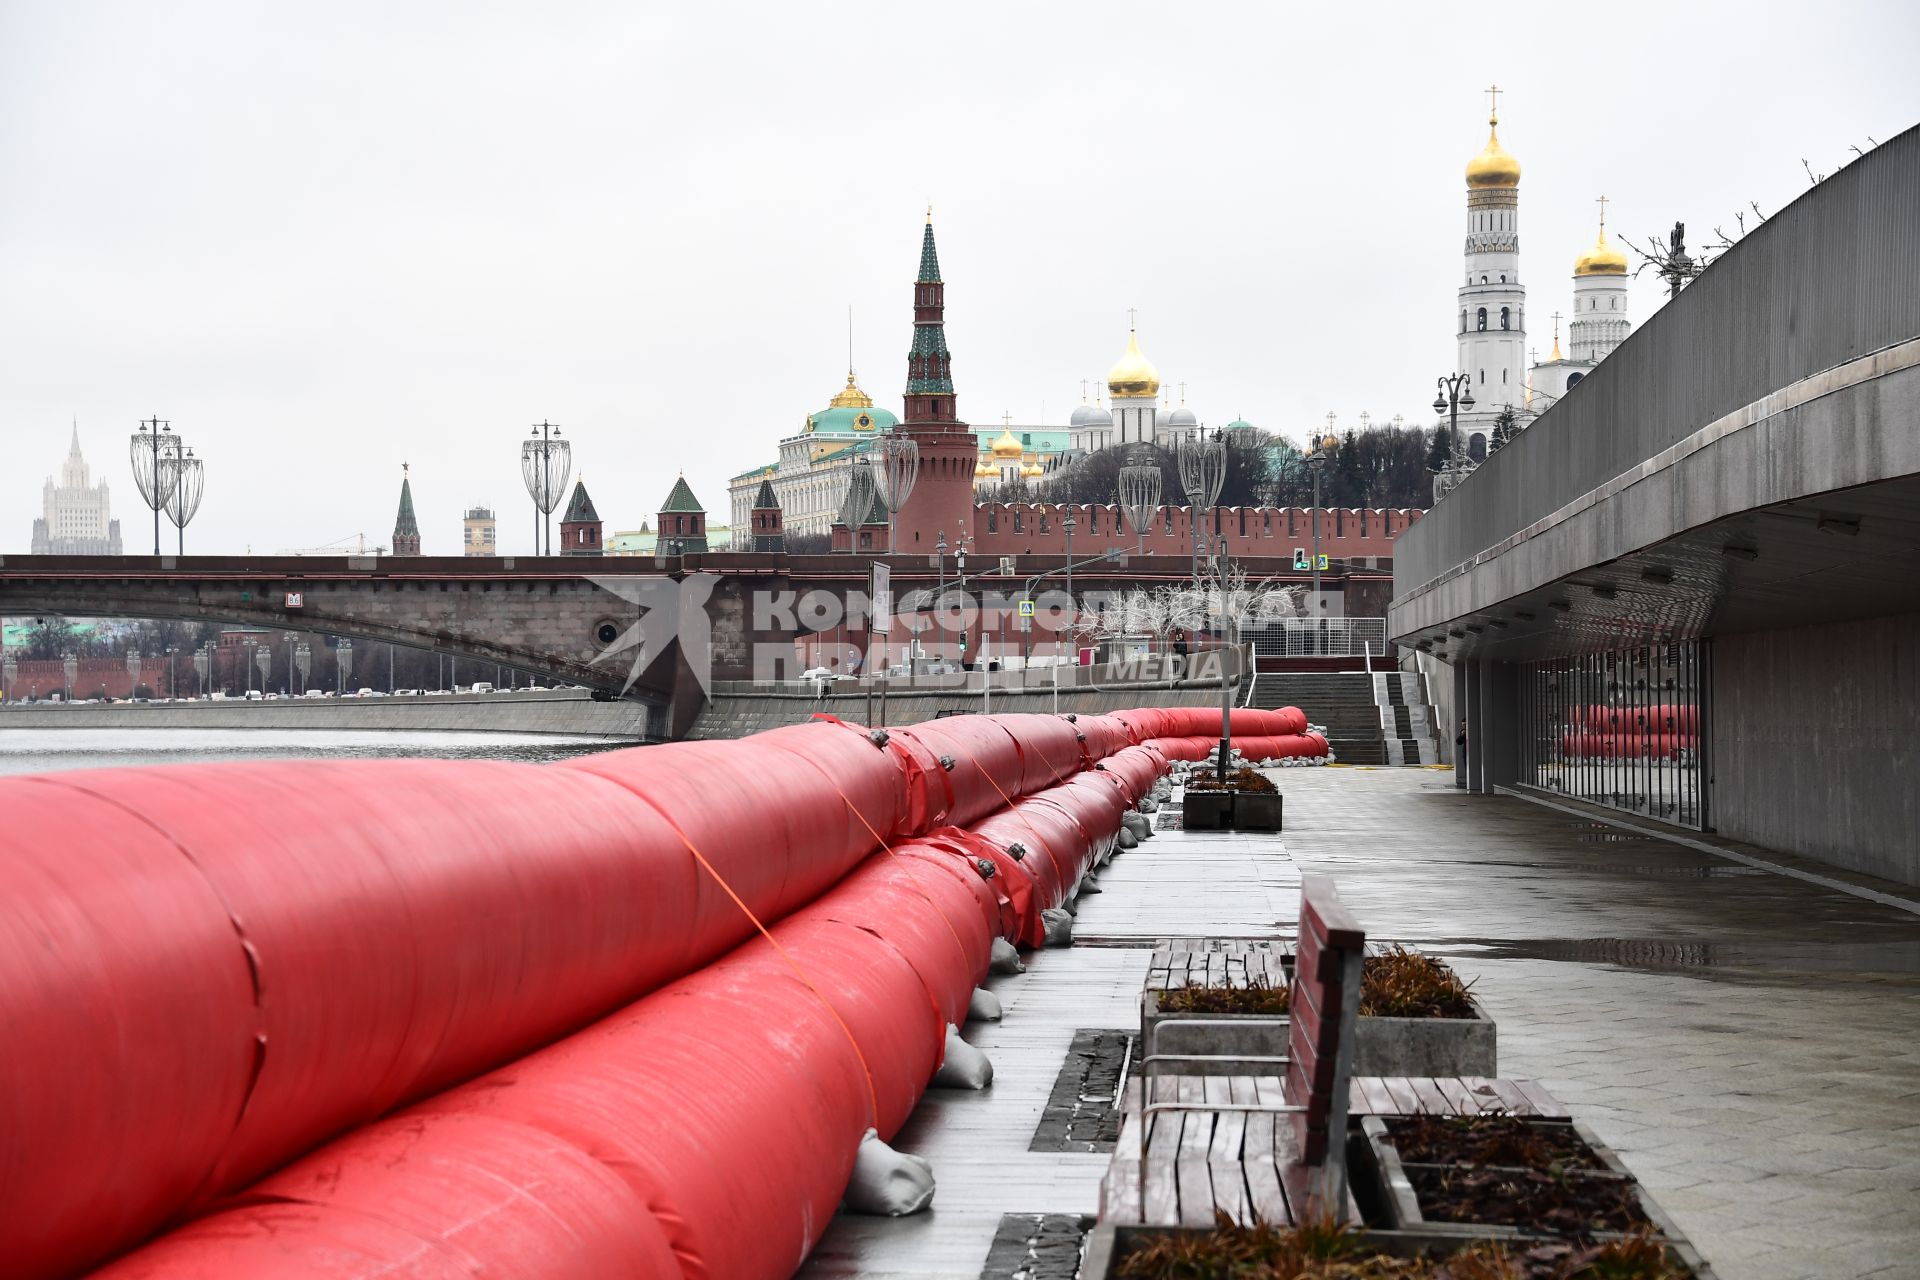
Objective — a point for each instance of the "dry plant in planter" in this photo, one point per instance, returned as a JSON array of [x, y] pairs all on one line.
[[1325, 1252]]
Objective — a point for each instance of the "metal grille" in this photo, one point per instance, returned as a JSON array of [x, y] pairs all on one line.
[[1325, 637], [1626, 729]]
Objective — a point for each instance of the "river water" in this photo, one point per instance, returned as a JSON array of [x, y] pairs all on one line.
[[47, 750]]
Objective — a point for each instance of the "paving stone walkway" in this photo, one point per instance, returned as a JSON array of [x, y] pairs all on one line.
[[1749, 1042]]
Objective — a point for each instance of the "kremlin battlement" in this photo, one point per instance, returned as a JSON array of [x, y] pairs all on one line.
[[1039, 528]]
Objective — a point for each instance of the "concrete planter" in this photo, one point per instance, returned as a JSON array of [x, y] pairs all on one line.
[[1109, 1244], [1426, 1046], [1382, 1046], [1238, 1039], [1230, 810], [1206, 810], [1383, 1187]]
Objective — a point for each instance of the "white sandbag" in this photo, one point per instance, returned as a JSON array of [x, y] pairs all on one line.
[[983, 1006], [888, 1183], [1058, 926], [964, 1066], [1128, 840], [1003, 958]]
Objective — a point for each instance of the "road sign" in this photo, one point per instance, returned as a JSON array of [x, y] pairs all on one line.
[[880, 591], [1321, 564], [1026, 608], [296, 600]]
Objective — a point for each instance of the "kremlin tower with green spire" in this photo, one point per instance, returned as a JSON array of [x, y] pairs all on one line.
[[942, 496]]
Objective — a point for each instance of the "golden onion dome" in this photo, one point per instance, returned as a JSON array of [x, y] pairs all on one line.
[[1602, 260], [1134, 375], [851, 396], [984, 470], [1330, 443], [1494, 167], [1006, 446], [1032, 471]]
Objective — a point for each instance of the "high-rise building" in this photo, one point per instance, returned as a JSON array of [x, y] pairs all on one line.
[[78, 519], [479, 535]]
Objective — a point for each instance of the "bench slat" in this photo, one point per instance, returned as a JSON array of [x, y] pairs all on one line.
[[1432, 1101], [1544, 1103]]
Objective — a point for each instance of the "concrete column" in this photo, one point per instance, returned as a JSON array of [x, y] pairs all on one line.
[[1500, 703], [1475, 715], [1456, 713]]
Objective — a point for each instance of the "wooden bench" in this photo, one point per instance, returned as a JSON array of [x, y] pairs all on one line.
[[1271, 1147]]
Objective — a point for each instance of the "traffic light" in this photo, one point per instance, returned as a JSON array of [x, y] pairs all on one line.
[[963, 642], [1300, 558]]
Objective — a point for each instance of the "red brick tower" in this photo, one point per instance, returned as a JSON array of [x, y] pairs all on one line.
[[769, 532], [942, 497]]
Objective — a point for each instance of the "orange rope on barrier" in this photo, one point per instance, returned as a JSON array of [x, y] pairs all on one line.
[[906, 867], [873, 1096]]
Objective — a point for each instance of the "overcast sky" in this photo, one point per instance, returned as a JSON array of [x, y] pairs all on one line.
[[326, 238]]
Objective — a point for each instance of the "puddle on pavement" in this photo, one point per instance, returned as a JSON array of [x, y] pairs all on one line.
[[1900, 959]]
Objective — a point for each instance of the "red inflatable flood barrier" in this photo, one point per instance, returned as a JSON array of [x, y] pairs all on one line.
[[274, 953], [720, 1114]]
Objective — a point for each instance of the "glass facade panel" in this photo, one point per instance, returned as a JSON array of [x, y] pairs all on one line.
[[1623, 729]]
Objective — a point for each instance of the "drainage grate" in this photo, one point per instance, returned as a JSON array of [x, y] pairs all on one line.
[[1037, 1246], [1082, 1112]]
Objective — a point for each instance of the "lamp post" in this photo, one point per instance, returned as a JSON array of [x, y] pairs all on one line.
[[1203, 470], [173, 652], [1140, 493], [342, 665], [1073, 612], [69, 667], [1456, 393], [133, 673], [899, 467], [1316, 463], [153, 448], [183, 495], [303, 662], [263, 659], [545, 462]]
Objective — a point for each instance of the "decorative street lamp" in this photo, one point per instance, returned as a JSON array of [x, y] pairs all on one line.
[[1456, 393], [173, 651], [1203, 470], [343, 665], [545, 462], [898, 467], [70, 667], [153, 448], [857, 499], [183, 494], [203, 667], [303, 663], [133, 672], [1140, 493], [263, 659], [9, 671]]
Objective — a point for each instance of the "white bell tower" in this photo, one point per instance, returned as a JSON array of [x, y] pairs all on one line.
[[1492, 318]]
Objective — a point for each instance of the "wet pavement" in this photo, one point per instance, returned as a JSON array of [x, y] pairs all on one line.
[[1748, 1039]]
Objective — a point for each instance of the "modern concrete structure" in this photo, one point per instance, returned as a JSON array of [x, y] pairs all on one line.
[[1689, 589]]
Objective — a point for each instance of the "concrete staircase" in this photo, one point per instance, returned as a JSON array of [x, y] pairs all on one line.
[[1371, 718], [1343, 701], [1406, 719]]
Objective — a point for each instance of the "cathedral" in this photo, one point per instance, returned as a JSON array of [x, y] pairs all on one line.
[[1492, 334], [78, 519]]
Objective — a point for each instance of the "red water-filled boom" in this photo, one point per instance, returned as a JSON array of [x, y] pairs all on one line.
[[207, 971]]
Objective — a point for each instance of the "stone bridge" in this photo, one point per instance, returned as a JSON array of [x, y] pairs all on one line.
[[636, 628]]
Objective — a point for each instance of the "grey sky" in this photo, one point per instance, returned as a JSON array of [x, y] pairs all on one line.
[[326, 238]]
